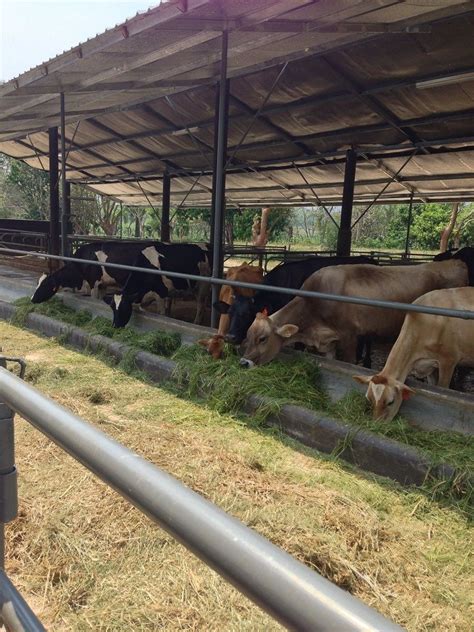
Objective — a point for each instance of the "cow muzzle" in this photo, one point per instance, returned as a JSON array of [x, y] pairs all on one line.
[[247, 364]]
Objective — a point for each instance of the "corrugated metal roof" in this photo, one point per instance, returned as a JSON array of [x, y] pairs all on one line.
[[140, 99]]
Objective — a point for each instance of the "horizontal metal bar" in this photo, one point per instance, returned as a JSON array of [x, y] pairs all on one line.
[[15, 613], [357, 300], [287, 589]]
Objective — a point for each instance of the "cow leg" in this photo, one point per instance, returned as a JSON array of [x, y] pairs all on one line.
[[367, 360], [348, 347], [97, 291], [445, 373], [201, 298], [85, 289], [168, 303]]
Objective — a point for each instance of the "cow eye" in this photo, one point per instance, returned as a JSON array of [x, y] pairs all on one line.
[[390, 402], [262, 339]]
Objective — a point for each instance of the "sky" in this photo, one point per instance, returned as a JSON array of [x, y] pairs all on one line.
[[32, 31]]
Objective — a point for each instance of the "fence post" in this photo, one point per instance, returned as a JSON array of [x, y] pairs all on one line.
[[8, 478]]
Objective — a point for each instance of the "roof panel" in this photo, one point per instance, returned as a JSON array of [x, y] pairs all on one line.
[[140, 99]]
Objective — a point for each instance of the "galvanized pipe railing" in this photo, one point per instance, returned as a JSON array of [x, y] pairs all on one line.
[[288, 590], [358, 300]]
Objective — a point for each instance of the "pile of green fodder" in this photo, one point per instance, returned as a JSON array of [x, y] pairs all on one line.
[[227, 386], [159, 342]]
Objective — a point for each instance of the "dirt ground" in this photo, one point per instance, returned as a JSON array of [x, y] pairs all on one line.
[[86, 560]]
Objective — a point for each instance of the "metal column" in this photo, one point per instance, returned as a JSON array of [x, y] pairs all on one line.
[[410, 213], [214, 166], [54, 232], [8, 480], [345, 234], [219, 180], [65, 190], [165, 208]]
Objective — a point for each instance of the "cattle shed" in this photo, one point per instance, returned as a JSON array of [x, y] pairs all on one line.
[[275, 102]]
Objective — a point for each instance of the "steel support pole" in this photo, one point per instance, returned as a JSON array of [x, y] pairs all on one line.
[[8, 477], [214, 166], [165, 208], [410, 213], [287, 589], [219, 181], [65, 206], [54, 232], [345, 234]]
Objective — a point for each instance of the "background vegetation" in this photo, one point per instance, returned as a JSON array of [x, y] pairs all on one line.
[[24, 194]]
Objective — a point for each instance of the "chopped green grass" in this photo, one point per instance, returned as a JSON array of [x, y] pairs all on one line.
[[443, 447], [159, 342], [226, 387]]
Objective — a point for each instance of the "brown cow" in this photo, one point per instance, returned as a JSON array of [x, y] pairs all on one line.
[[427, 345], [329, 326], [245, 273]]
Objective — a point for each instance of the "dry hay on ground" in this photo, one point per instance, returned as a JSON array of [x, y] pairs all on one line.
[[86, 560]]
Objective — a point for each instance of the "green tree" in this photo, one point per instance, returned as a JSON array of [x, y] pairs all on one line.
[[429, 224], [27, 190]]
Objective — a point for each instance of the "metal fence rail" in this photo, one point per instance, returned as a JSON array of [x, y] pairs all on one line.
[[358, 300], [287, 589]]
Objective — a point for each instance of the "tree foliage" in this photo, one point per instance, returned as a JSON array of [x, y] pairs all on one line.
[[25, 191]]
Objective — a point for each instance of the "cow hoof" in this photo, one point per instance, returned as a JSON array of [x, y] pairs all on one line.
[[247, 364]]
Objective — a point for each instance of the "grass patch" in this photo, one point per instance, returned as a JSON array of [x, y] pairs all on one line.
[[443, 447], [227, 386], [159, 342], [54, 308]]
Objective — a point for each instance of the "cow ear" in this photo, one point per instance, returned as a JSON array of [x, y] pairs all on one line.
[[221, 307], [108, 299], [286, 331], [362, 379]]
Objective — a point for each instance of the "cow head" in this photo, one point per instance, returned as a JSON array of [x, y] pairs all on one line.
[[242, 313], [264, 340], [47, 287], [122, 307], [214, 345], [385, 395]]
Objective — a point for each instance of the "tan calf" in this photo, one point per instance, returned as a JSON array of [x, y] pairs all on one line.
[[329, 326], [427, 345]]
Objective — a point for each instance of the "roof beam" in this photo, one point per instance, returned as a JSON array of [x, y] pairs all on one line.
[[393, 175], [371, 101], [288, 26], [348, 132], [339, 183]]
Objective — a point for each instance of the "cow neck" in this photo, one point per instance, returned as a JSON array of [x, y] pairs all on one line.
[[452, 272], [70, 276], [402, 357], [294, 313]]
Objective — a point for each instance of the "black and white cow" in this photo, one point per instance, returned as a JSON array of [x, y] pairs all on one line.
[[90, 278], [290, 275], [182, 258]]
